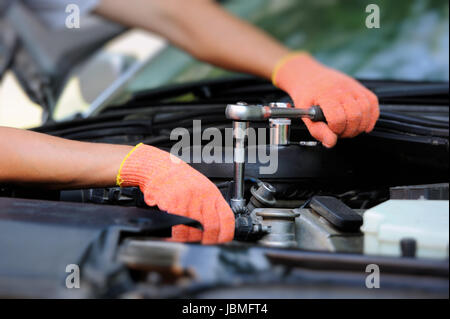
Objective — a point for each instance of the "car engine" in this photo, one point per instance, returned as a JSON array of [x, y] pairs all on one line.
[[310, 212]]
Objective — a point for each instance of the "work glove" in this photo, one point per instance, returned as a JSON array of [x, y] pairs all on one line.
[[349, 107], [175, 187]]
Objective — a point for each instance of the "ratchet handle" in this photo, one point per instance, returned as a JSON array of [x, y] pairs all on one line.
[[317, 114], [245, 112]]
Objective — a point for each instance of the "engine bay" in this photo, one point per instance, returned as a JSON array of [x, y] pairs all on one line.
[[310, 213]]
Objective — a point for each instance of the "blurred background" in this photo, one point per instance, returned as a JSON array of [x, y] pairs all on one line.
[[412, 43]]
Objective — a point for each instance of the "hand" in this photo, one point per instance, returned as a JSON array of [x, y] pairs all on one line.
[[177, 188], [348, 106]]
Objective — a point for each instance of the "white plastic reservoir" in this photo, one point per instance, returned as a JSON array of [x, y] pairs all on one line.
[[426, 221]]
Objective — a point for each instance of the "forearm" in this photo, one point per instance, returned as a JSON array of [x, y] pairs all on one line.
[[204, 29], [29, 157]]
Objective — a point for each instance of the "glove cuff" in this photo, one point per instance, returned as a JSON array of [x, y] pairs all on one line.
[[283, 61], [290, 70], [119, 179], [142, 164]]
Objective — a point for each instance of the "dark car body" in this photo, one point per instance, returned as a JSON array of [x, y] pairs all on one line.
[[119, 243]]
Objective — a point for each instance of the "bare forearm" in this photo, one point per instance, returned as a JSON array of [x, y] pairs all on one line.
[[204, 29], [29, 157]]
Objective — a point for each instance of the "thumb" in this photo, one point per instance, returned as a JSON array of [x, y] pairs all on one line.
[[180, 233], [321, 132]]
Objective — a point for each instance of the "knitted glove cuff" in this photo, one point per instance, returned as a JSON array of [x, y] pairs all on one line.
[[142, 164]]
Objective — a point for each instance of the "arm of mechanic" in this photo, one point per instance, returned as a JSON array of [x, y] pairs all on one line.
[[171, 184], [205, 30]]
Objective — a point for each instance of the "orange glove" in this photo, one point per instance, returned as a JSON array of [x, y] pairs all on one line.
[[177, 188], [348, 106]]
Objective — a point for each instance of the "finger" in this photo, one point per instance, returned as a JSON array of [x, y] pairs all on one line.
[[321, 132], [363, 103], [179, 233], [353, 116], [212, 222], [165, 200], [334, 114], [149, 196], [195, 212], [227, 220], [374, 110]]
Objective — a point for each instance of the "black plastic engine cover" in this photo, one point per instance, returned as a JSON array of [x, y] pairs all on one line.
[[337, 213], [294, 161], [38, 239]]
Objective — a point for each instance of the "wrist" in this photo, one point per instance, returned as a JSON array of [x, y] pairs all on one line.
[[120, 178], [300, 56], [296, 70], [145, 165]]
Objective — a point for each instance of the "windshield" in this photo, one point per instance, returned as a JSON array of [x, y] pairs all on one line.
[[411, 42]]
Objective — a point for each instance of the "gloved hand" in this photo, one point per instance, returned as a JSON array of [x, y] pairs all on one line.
[[349, 107], [177, 188]]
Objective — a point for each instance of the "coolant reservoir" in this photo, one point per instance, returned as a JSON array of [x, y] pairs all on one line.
[[423, 221]]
